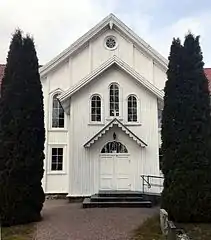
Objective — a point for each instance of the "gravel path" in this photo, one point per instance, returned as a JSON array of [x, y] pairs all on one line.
[[68, 221]]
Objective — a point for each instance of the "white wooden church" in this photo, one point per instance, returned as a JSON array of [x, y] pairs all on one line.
[[102, 99]]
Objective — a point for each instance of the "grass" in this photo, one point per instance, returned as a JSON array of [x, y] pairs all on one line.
[[197, 231], [149, 230], [19, 232]]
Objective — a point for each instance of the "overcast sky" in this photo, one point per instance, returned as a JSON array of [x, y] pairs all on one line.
[[55, 24]]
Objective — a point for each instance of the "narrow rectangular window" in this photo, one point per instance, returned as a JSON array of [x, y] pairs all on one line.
[[114, 100], [132, 109], [57, 159], [57, 113], [96, 108]]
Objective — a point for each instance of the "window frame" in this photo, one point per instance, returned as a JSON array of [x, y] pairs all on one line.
[[57, 155], [138, 122], [133, 96], [50, 118], [109, 102], [102, 110], [49, 165], [90, 108]]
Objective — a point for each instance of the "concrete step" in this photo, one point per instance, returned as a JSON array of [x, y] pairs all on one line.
[[97, 198], [119, 194], [87, 203]]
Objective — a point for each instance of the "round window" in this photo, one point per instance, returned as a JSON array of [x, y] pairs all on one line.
[[111, 43]]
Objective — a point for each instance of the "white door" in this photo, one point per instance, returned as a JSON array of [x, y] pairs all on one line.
[[106, 172], [122, 172], [115, 172]]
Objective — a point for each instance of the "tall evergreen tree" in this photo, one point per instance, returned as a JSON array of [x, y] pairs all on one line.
[[21, 136], [171, 102], [187, 195]]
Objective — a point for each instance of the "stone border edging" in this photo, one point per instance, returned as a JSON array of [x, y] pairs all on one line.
[[169, 229]]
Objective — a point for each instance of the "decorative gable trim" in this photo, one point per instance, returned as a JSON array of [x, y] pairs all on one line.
[[110, 21], [115, 122], [122, 65]]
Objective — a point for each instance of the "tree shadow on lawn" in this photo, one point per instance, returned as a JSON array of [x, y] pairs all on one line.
[[149, 230]]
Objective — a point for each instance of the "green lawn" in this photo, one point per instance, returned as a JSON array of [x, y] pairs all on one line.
[[149, 230], [20, 232], [199, 231]]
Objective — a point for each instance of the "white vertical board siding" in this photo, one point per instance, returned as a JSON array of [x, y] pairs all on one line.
[[94, 53], [80, 67], [57, 183], [59, 78], [100, 53], [143, 64], [57, 137], [160, 76], [84, 164]]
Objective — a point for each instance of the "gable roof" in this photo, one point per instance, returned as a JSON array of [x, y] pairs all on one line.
[[110, 62], [112, 22], [115, 122]]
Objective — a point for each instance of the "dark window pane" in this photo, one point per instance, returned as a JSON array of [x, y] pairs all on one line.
[[61, 123], [53, 166], [60, 151], [54, 151], [54, 159], [98, 118], [135, 118], [61, 112], [60, 159], [114, 146], [59, 167], [93, 118], [55, 101]]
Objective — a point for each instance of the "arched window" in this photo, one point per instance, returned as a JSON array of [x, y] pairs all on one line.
[[132, 109], [114, 147], [96, 108], [114, 100], [57, 113]]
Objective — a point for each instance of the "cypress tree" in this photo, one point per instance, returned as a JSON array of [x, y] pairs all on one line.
[[21, 135], [187, 192], [169, 114]]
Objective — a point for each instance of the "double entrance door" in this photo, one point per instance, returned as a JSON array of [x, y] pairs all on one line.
[[115, 171]]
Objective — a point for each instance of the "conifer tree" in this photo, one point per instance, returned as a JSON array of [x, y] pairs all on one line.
[[21, 136], [187, 186]]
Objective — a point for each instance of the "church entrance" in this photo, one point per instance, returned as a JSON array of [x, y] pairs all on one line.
[[115, 170]]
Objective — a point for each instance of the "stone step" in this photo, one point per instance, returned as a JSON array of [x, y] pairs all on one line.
[[120, 194], [87, 203], [97, 198]]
